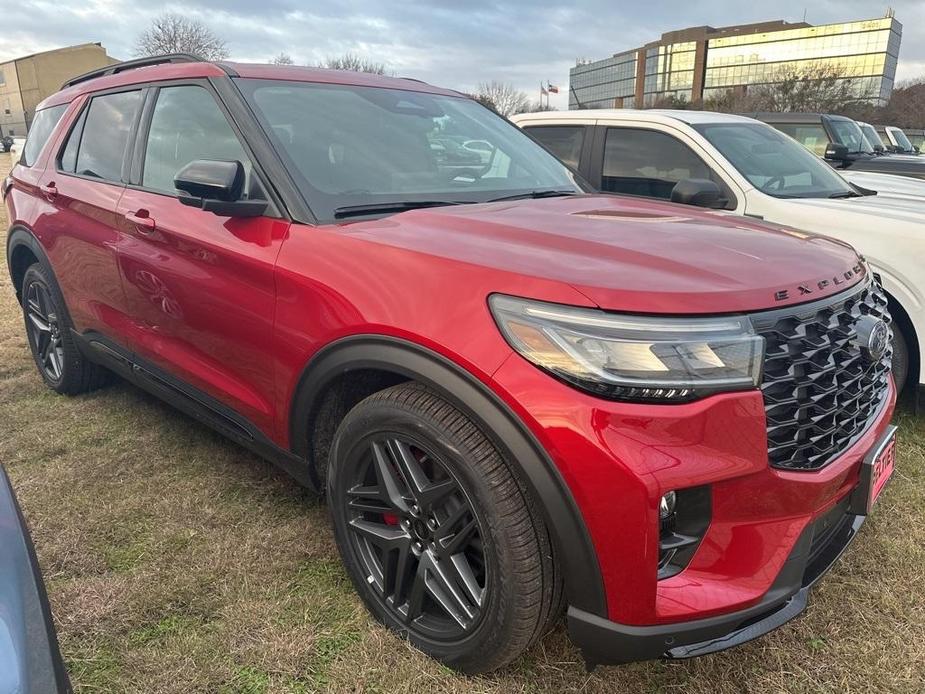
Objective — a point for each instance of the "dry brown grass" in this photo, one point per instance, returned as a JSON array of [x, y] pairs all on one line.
[[177, 562]]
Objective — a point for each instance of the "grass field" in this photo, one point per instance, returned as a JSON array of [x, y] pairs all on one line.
[[178, 562]]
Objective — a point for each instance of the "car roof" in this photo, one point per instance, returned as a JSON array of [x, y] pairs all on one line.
[[202, 69], [629, 114]]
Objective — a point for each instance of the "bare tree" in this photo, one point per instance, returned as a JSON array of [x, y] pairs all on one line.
[[537, 107], [819, 88], [350, 61], [173, 33], [907, 104], [282, 59], [730, 101], [816, 88], [503, 97], [673, 102]]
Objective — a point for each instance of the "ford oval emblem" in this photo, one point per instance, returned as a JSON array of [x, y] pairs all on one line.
[[873, 337]]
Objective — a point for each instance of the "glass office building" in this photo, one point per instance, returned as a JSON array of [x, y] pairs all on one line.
[[605, 82], [701, 62]]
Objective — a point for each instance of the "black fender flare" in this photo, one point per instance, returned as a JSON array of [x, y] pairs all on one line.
[[20, 236], [572, 542]]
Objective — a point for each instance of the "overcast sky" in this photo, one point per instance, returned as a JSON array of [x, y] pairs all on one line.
[[454, 44]]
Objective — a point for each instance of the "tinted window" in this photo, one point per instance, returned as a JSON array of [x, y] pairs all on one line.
[[870, 135], [42, 126], [773, 162], [186, 125], [848, 133], [648, 163], [69, 155], [563, 141], [901, 140], [812, 136], [352, 146], [104, 136]]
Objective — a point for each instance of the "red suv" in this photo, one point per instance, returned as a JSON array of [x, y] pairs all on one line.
[[516, 396]]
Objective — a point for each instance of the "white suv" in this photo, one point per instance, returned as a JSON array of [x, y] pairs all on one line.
[[748, 168]]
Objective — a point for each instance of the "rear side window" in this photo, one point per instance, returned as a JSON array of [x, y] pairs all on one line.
[[42, 126], [96, 145], [648, 163], [186, 125], [812, 136], [564, 141]]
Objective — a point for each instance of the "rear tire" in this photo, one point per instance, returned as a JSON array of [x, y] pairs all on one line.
[[48, 329], [474, 592]]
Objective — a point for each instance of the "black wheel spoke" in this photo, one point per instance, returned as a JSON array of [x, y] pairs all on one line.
[[388, 479], [381, 535], [56, 357], [444, 585], [45, 349], [39, 322], [459, 540], [415, 605], [397, 569], [369, 499], [425, 492], [467, 579]]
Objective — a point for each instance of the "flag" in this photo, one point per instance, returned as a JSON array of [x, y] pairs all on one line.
[[543, 91], [551, 88]]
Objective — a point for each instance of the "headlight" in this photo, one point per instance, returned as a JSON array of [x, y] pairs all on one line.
[[638, 358]]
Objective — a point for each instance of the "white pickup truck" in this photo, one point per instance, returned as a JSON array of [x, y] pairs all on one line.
[[747, 167]]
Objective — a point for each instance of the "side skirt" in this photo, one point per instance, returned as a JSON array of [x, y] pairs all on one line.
[[193, 402]]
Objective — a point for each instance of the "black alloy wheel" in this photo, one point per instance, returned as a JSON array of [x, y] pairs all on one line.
[[416, 535], [441, 539], [48, 329], [44, 331]]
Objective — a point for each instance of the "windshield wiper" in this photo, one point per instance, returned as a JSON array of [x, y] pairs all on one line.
[[390, 207], [845, 194], [535, 194]]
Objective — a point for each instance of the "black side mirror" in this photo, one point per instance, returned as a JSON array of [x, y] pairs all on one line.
[[217, 187], [878, 149], [836, 152], [699, 192]]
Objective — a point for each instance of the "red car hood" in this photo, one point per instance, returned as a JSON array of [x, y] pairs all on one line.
[[632, 255]]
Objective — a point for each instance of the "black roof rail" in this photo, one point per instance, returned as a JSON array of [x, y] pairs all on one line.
[[116, 68]]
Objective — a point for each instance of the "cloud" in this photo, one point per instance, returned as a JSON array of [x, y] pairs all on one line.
[[449, 43]]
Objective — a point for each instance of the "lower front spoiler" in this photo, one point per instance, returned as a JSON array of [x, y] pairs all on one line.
[[603, 642]]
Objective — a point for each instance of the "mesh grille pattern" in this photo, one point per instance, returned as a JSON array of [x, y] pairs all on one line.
[[821, 391]]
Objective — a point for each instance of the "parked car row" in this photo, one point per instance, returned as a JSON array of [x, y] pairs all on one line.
[[520, 396], [843, 143]]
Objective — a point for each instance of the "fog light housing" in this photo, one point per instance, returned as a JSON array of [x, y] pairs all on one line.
[[684, 516]]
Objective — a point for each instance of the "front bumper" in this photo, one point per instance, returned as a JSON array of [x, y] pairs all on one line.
[[757, 558], [818, 548]]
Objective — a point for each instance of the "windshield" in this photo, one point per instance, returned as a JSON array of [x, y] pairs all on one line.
[[351, 146], [773, 162], [870, 134], [848, 133], [901, 139]]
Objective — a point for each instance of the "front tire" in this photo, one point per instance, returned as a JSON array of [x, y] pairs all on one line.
[[48, 329], [900, 359], [439, 537]]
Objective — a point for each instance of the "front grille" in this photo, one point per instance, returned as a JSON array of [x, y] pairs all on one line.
[[820, 390]]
